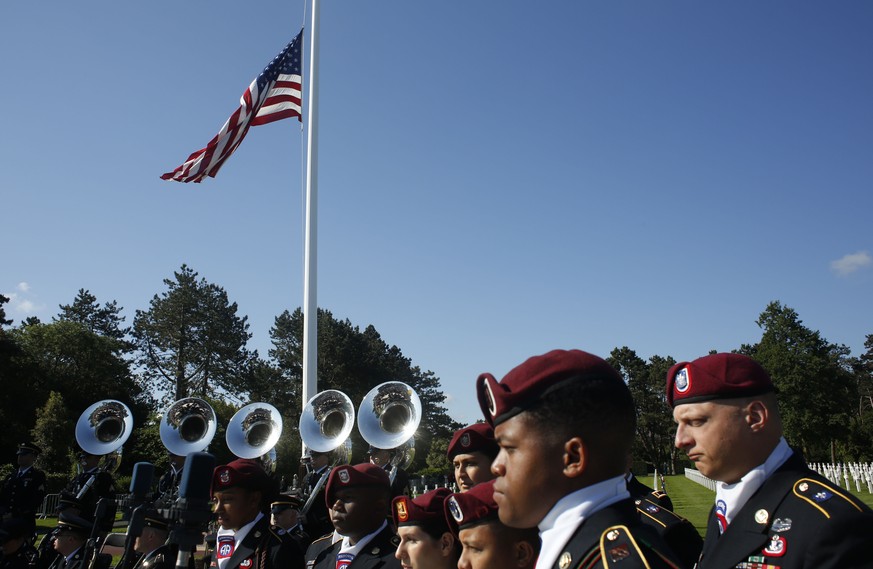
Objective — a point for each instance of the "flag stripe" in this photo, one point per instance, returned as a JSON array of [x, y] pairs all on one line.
[[274, 95]]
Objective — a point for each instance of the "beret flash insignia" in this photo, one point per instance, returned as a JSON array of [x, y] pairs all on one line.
[[682, 380], [455, 509]]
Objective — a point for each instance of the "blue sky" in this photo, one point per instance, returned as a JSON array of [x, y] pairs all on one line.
[[496, 178]]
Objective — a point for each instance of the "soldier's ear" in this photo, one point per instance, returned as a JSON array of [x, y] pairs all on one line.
[[525, 556], [757, 416], [575, 457]]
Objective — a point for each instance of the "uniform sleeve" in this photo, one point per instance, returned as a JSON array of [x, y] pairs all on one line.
[[844, 542]]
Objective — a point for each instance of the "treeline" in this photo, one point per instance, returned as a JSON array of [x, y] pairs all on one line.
[[191, 341]]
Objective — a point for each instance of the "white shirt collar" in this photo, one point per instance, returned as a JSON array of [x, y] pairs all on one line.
[[569, 512], [732, 497], [347, 546]]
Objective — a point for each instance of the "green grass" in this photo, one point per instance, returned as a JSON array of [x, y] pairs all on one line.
[[693, 502]]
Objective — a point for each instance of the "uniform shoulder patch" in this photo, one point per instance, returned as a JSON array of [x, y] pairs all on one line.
[[824, 497], [658, 514], [618, 544]]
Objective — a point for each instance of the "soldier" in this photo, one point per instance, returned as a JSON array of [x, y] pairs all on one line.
[[471, 450], [383, 458], [426, 541], [240, 491], [168, 484], [152, 543], [17, 553], [285, 518], [770, 508], [359, 502], [71, 534], [486, 542], [565, 422], [316, 521], [92, 482], [24, 489]]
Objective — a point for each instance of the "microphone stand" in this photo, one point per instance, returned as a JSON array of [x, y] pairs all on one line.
[[192, 510], [134, 530]]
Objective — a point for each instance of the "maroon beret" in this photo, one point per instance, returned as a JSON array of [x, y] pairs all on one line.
[[425, 510], [346, 476], [520, 389], [241, 473], [717, 376], [474, 506], [475, 438]]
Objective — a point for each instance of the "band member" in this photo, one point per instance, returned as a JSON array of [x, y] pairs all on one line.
[[316, 521], [152, 543], [565, 422], [286, 519], [168, 484], [486, 542], [17, 553], [71, 534], [90, 485], [383, 458], [770, 508], [24, 489], [426, 542], [240, 491], [471, 450], [359, 501]]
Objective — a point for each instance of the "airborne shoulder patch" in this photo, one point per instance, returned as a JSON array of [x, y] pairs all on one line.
[[823, 497]]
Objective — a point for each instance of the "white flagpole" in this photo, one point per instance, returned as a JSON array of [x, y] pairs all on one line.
[[310, 302]]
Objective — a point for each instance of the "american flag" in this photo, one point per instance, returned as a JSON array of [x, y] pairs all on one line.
[[273, 96]]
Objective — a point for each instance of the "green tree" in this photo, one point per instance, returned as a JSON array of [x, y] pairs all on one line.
[[3, 320], [437, 464], [860, 443], [354, 361], [191, 339], [817, 392], [104, 320], [655, 428], [54, 434], [65, 357]]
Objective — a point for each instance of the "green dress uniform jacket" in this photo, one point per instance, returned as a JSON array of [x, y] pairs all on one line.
[[378, 554], [616, 537], [797, 519]]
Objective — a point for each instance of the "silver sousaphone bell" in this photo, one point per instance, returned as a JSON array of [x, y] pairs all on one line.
[[253, 431], [327, 421], [102, 429], [188, 425], [388, 417]]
